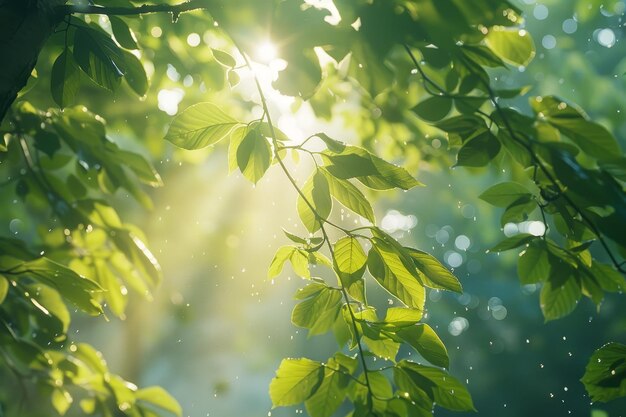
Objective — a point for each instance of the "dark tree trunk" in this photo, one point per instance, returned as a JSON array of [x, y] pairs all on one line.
[[25, 25]]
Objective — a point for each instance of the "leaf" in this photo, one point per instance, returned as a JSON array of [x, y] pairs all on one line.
[[74, 288], [64, 79], [199, 126], [402, 317], [514, 46], [533, 265], [123, 35], [4, 288], [349, 196], [349, 255], [224, 58], [557, 301], [233, 78], [98, 56], [592, 138], [424, 339], [605, 374], [372, 171], [332, 391], [319, 312], [478, 151], [296, 380], [317, 194], [254, 156], [513, 242], [135, 75], [438, 385], [433, 108], [333, 145], [387, 268], [158, 397], [299, 262], [504, 193], [435, 274]]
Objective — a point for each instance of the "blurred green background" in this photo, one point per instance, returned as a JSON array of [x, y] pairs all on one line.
[[217, 329]]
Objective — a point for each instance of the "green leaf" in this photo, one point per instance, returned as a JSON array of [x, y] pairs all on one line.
[[349, 255], [61, 400], [504, 193], [435, 275], [233, 78], [402, 317], [135, 75], [424, 339], [349, 196], [478, 150], [159, 398], [64, 79], [4, 288], [438, 385], [319, 312], [299, 261], [114, 295], [317, 194], [592, 138], [434, 108], [558, 300], [387, 267], [513, 242], [372, 171], [333, 145], [296, 380], [332, 391], [533, 265], [514, 46], [224, 58], [605, 374], [254, 156], [123, 35], [76, 289], [199, 126], [98, 56]]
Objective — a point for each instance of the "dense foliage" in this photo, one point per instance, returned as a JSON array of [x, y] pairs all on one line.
[[410, 70]]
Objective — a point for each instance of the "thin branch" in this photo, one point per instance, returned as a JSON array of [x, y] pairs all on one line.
[[175, 9]]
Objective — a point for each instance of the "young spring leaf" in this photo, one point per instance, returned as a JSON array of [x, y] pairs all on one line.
[[296, 380], [123, 35], [533, 265], [98, 56], [605, 374], [317, 194], [514, 46], [349, 255], [559, 298], [479, 150], [224, 58], [318, 312], [504, 193], [435, 275], [334, 387], [349, 196], [434, 108], [200, 125], [387, 267], [159, 398], [254, 156], [64, 79], [424, 340], [438, 385]]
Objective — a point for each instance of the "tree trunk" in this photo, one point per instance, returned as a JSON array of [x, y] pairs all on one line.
[[25, 25]]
